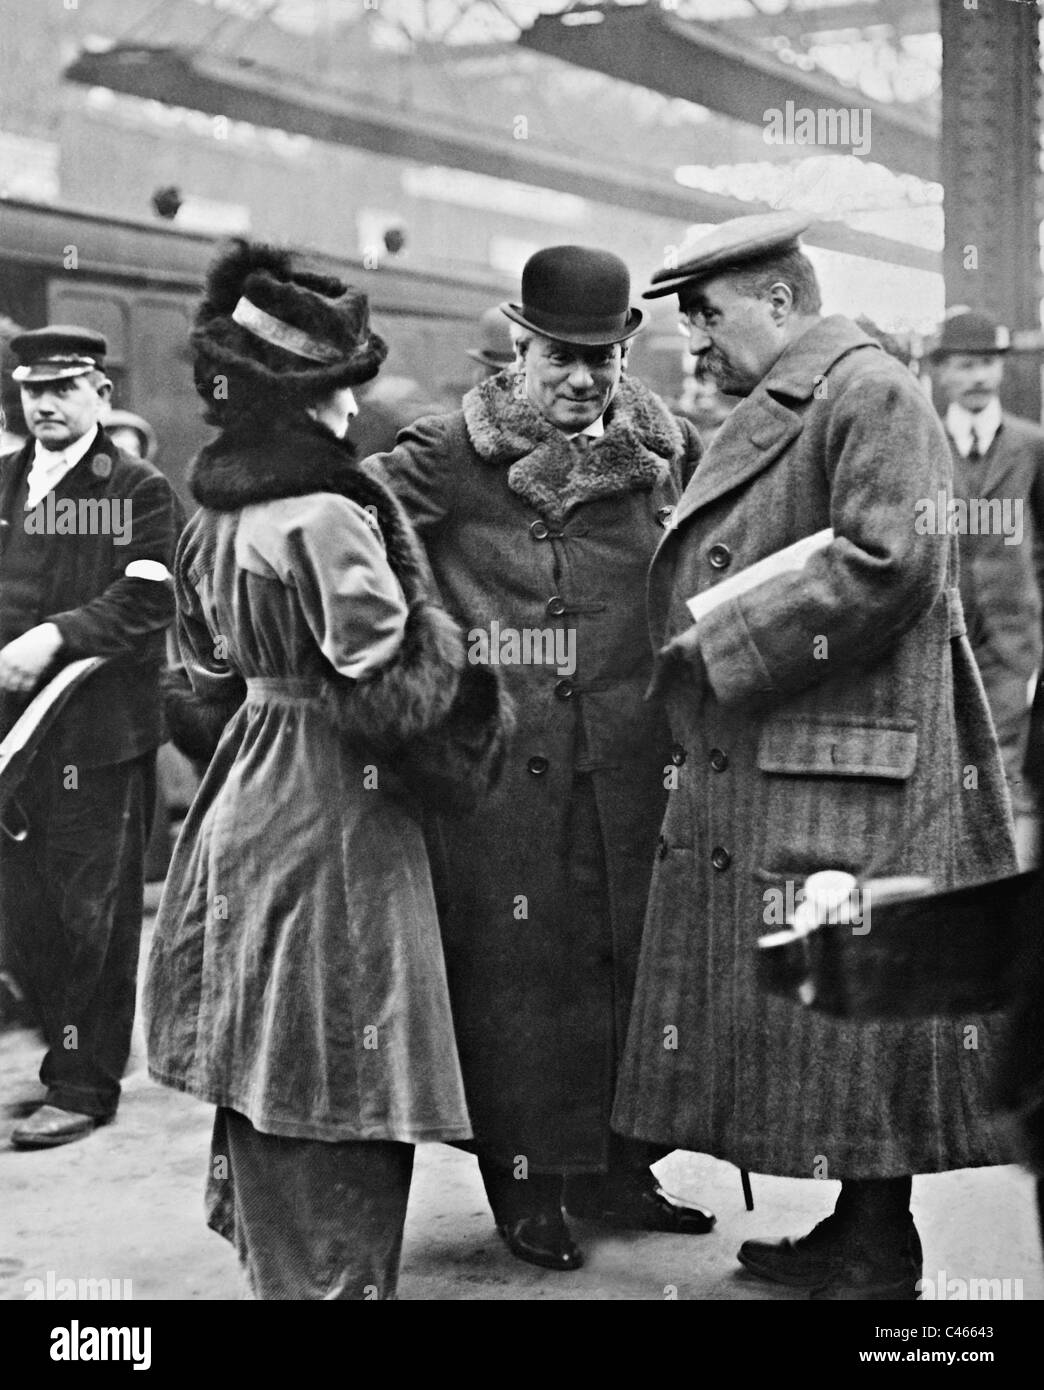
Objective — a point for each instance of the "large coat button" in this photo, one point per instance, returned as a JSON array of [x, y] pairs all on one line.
[[539, 530], [720, 858], [719, 556], [101, 466], [564, 689], [556, 605], [718, 759], [538, 765], [677, 754]]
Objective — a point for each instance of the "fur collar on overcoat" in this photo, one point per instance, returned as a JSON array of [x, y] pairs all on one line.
[[641, 441], [439, 724]]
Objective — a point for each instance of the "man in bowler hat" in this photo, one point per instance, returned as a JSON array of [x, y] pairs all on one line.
[[540, 503], [831, 717], [87, 536], [496, 349], [998, 472]]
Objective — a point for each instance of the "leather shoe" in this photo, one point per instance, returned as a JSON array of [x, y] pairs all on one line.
[[543, 1240], [49, 1126], [638, 1207], [805, 1263], [829, 1258], [867, 1275]]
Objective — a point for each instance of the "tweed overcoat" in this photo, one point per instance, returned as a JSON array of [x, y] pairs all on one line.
[[832, 719], [296, 974], [544, 885]]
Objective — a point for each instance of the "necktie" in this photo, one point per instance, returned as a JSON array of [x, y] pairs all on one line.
[[580, 443], [974, 454]]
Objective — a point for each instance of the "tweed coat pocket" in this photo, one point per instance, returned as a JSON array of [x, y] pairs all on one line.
[[834, 790]]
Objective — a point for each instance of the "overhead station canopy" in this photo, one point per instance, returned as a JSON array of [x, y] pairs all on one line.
[[616, 135], [652, 47]]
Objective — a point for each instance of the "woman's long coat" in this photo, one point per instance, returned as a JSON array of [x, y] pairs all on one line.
[[839, 722], [296, 974], [545, 883]]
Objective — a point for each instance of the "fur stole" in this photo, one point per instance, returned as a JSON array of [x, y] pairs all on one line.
[[642, 441], [439, 724]]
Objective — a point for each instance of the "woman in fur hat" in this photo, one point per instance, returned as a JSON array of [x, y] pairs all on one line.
[[296, 979]]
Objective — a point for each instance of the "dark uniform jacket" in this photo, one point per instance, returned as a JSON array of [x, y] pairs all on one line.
[[79, 582]]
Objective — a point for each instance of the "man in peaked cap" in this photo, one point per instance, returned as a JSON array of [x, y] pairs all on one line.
[[540, 503], [86, 536], [829, 717], [998, 476]]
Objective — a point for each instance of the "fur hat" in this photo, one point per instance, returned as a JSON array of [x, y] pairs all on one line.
[[288, 333]]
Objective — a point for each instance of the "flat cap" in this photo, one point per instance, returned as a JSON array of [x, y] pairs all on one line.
[[58, 351], [741, 239]]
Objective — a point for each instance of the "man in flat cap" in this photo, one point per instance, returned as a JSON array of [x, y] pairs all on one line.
[[540, 503], [998, 489], [86, 537], [831, 718]]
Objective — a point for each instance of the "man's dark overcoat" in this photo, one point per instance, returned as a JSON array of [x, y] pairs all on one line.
[[1000, 582], [841, 723], [545, 883]]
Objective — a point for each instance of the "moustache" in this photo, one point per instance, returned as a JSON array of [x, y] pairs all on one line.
[[708, 363]]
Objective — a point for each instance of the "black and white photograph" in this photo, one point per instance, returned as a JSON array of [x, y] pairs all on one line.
[[521, 701]]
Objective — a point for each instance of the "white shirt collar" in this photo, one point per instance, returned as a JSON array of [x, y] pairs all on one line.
[[959, 423], [595, 429], [49, 467]]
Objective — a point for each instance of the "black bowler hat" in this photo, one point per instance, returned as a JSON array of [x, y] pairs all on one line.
[[969, 330], [57, 352], [578, 295], [496, 349]]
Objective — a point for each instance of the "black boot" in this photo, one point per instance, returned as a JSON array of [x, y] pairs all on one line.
[[528, 1215], [869, 1248]]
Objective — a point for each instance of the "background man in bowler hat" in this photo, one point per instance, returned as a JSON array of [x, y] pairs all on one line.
[[540, 503], [496, 348], [998, 458], [832, 718], [71, 890]]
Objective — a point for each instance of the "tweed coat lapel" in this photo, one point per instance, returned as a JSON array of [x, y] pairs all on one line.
[[764, 425]]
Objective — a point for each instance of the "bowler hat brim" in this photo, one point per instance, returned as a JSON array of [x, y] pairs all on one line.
[[489, 359], [571, 331]]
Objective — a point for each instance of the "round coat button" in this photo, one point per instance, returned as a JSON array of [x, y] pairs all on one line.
[[677, 754], [538, 765], [720, 858], [556, 606], [720, 557], [564, 689], [661, 848], [718, 760], [539, 530], [101, 465]]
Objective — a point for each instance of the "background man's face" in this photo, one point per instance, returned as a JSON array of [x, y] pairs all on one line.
[[734, 338], [970, 379], [570, 385], [60, 412]]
